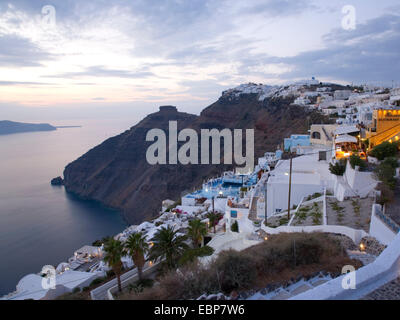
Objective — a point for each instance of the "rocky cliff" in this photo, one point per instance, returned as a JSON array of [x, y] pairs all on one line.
[[117, 174]]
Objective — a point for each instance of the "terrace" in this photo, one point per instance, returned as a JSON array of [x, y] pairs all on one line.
[[228, 185]]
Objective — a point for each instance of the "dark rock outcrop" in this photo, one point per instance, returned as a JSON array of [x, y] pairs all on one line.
[[117, 174], [57, 181]]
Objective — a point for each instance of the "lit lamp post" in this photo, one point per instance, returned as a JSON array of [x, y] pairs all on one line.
[[265, 205]]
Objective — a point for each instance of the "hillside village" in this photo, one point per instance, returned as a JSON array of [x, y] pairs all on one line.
[[340, 181]]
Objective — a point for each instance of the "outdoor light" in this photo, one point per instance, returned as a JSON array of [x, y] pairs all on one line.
[[286, 174], [265, 238], [362, 246]]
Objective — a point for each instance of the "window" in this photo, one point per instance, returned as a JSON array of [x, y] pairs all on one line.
[[316, 135]]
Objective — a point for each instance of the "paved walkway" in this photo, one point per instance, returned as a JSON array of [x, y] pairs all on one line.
[[253, 209], [389, 291]]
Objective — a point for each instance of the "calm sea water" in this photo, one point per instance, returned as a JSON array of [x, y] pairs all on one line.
[[41, 224]]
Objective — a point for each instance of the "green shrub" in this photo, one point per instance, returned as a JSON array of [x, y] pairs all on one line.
[[355, 160], [384, 150], [97, 281], [386, 195], [338, 168], [235, 226], [192, 253], [98, 243], [385, 173], [392, 161], [307, 251], [235, 270], [139, 286], [283, 221], [110, 273]]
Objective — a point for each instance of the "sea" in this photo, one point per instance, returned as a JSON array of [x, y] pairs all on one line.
[[41, 224]]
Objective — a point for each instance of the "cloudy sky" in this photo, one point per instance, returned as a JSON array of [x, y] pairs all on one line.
[[105, 53]]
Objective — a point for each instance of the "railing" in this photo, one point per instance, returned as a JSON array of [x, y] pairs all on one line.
[[388, 221]]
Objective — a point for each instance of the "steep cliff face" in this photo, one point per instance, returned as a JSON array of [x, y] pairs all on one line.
[[117, 174]]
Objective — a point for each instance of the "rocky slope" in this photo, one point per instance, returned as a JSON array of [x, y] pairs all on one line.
[[117, 174]]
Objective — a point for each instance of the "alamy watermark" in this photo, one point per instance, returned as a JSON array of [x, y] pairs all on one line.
[[349, 18], [49, 278], [188, 153], [349, 280], [49, 16]]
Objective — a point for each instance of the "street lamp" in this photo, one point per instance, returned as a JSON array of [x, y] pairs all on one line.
[[290, 184]]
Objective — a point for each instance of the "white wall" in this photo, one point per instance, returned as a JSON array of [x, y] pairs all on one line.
[[368, 278], [277, 195], [361, 183], [188, 201], [378, 229], [353, 234]]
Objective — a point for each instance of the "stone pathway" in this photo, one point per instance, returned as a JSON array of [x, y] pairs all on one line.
[[253, 209], [389, 291]]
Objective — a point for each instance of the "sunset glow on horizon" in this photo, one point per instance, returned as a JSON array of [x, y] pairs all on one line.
[[185, 51]]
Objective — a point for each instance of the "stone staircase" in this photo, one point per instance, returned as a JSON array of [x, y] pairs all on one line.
[[285, 293], [253, 209]]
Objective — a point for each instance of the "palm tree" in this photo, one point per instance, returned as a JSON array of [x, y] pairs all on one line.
[[114, 252], [214, 218], [167, 245], [196, 231], [137, 247]]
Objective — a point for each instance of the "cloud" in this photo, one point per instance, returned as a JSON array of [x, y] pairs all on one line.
[[21, 52], [101, 71], [24, 83], [274, 8], [187, 50], [369, 53]]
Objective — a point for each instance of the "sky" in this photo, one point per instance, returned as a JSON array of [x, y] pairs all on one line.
[[115, 57]]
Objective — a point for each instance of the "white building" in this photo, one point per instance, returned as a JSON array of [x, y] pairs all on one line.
[[302, 101], [341, 94], [309, 175], [322, 134]]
